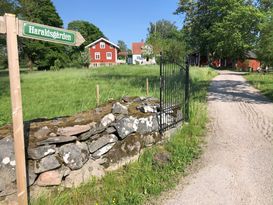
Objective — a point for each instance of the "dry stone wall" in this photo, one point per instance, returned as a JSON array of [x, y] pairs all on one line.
[[67, 151]]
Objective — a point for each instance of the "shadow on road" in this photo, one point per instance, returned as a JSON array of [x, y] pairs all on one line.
[[235, 91]]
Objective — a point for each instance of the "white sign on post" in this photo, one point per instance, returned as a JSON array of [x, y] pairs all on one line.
[[10, 25]]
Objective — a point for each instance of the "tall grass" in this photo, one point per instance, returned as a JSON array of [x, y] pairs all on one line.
[[66, 92], [263, 82], [138, 182]]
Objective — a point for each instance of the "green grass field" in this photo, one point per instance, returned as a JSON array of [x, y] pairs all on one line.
[[262, 82], [66, 92], [141, 181]]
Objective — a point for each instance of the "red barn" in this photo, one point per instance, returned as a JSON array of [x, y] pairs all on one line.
[[102, 53], [251, 62]]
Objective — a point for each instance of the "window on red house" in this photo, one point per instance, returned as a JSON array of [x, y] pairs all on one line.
[[109, 55], [97, 56], [102, 45]]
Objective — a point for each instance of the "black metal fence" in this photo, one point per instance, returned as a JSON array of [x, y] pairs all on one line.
[[174, 93]]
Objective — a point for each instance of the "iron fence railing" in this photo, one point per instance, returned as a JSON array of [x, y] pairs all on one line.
[[174, 93]]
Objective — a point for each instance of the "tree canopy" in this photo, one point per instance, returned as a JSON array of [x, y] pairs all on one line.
[[220, 28], [78, 55], [265, 45], [89, 31], [122, 46], [163, 28], [44, 54], [165, 37], [6, 6]]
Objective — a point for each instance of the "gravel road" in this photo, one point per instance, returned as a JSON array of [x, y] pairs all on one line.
[[237, 164]]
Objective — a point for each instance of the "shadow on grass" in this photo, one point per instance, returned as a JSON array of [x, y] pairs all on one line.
[[4, 86], [4, 82]]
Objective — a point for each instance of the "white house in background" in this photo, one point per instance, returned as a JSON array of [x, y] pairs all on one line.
[[138, 50]]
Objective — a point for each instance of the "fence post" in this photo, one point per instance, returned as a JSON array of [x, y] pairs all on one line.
[[147, 87], [161, 97], [97, 95], [187, 91]]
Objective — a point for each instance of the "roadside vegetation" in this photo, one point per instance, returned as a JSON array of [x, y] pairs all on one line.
[[142, 180], [262, 82]]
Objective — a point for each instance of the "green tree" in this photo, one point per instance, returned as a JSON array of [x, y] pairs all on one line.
[[147, 51], [265, 45], [90, 32], [265, 5], [165, 37], [9, 6], [42, 11], [163, 28], [221, 28], [85, 56], [42, 54], [122, 46], [6, 6], [3, 57]]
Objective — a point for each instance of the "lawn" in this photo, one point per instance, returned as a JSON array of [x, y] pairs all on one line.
[[140, 181], [263, 82], [65, 92]]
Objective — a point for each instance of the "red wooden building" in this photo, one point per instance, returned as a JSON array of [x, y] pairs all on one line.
[[102, 53], [251, 61]]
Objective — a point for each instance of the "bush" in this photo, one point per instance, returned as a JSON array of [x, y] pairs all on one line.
[[57, 65]]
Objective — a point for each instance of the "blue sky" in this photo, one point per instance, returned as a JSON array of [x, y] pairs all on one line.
[[119, 19]]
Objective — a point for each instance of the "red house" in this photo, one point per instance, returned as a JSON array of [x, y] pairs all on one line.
[[102, 53], [251, 62]]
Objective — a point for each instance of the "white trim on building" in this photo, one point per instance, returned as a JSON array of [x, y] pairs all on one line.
[[100, 39]]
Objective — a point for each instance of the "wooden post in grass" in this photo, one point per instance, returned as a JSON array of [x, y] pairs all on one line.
[[147, 87], [17, 113], [97, 95]]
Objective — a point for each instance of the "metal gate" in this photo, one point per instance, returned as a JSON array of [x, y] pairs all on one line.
[[174, 93]]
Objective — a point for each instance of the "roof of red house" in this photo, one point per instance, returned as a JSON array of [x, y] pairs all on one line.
[[136, 48], [101, 39], [251, 55]]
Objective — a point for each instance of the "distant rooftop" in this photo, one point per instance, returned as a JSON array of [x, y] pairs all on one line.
[[251, 54], [136, 48]]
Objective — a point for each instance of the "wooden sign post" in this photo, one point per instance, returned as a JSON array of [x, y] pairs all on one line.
[[17, 113], [12, 27]]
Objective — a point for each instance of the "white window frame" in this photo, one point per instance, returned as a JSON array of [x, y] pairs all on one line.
[[102, 45], [97, 55], [109, 57]]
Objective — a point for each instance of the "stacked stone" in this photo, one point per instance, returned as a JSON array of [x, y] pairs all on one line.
[[73, 154]]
